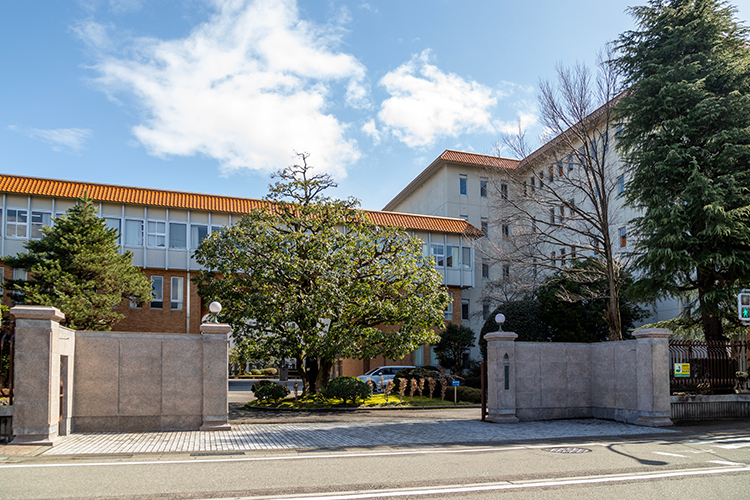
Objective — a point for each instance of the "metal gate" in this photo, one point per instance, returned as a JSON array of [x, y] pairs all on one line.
[[7, 339]]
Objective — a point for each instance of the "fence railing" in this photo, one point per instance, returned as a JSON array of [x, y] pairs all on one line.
[[7, 338], [715, 367]]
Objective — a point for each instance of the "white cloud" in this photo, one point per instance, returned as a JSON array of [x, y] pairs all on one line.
[[59, 138], [427, 104], [372, 131], [525, 119], [248, 87]]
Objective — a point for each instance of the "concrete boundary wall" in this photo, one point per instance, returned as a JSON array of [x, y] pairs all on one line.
[[625, 381], [82, 381]]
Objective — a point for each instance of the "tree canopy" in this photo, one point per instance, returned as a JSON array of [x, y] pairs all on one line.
[[566, 309], [686, 143], [76, 266], [454, 340], [310, 278]]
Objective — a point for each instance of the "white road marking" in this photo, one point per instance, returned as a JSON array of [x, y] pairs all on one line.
[[669, 454], [722, 462], [733, 446], [361, 495]]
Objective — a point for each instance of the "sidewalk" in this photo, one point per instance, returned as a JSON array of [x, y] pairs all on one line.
[[308, 431]]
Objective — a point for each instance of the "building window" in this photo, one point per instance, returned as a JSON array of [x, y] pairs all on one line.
[[504, 191], [19, 274], [134, 233], [571, 162], [197, 233], [157, 292], [551, 174], [485, 311], [623, 237], [533, 269], [419, 356], [621, 184], [113, 223], [452, 256], [560, 169], [605, 141], [506, 231], [532, 182], [525, 193], [177, 235], [533, 226], [551, 215], [39, 220], [465, 309], [462, 185], [541, 180], [466, 258], [618, 131], [449, 309], [16, 223], [485, 227], [573, 254], [552, 258], [483, 188], [485, 270], [562, 257], [571, 206], [157, 234], [562, 214], [506, 272], [175, 291], [438, 252]]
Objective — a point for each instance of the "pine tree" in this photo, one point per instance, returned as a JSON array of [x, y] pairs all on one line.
[[76, 266], [686, 142]]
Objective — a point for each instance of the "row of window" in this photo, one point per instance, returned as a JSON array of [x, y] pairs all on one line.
[[157, 293], [463, 187], [450, 256], [464, 308], [157, 234]]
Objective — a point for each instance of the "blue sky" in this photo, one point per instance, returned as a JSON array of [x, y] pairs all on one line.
[[213, 96]]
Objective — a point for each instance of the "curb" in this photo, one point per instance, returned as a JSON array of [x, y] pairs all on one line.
[[374, 408]]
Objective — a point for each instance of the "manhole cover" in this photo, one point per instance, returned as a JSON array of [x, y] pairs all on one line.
[[567, 449]]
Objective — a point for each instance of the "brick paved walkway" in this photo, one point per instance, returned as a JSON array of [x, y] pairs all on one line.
[[302, 436]]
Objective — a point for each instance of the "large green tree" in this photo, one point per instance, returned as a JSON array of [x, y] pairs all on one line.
[[310, 278], [686, 142], [76, 266]]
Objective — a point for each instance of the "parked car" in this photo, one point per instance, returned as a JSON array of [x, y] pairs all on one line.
[[381, 375]]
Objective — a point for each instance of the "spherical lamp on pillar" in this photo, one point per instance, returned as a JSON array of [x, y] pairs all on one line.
[[500, 319]]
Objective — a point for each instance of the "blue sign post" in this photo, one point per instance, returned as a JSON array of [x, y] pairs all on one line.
[[455, 383]]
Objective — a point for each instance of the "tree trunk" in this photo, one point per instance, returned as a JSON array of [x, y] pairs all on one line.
[[310, 375], [316, 375], [710, 320]]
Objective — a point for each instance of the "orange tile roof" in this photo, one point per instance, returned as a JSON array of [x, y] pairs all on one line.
[[194, 201], [477, 159]]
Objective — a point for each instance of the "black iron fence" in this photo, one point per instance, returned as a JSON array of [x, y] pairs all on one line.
[[7, 338], [708, 367]]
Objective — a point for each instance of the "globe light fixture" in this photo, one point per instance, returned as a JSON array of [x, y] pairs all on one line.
[[500, 319]]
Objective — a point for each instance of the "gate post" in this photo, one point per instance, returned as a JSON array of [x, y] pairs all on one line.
[[39, 410], [501, 377], [652, 377], [215, 376]]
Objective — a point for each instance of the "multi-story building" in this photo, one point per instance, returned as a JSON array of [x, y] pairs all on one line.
[[163, 228], [490, 191]]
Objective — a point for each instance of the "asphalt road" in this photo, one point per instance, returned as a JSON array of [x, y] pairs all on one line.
[[699, 462]]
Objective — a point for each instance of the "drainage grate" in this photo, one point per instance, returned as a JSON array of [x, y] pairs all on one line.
[[567, 450]]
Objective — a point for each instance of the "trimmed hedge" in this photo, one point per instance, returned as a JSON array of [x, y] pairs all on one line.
[[348, 389], [266, 390], [466, 394]]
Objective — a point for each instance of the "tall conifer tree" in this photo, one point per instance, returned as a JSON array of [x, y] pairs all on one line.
[[76, 266], [687, 144]]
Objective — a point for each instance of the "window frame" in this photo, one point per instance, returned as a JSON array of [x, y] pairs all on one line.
[[154, 280], [156, 235], [16, 224], [463, 185], [483, 188], [127, 233], [39, 225], [176, 303], [171, 232]]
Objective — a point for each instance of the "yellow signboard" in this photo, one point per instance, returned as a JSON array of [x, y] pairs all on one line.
[[682, 369]]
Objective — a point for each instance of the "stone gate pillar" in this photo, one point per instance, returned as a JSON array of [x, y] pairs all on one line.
[[215, 376], [43, 381], [501, 377], [652, 377]]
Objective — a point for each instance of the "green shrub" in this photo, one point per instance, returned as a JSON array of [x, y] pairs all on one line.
[[348, 389], [465, 394], [475, 382], [255, 371], [266, 390], [269, 371]]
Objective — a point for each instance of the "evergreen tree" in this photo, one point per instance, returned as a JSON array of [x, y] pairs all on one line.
[[454, 341], [311, 278], [76, 266], [686, 142]]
